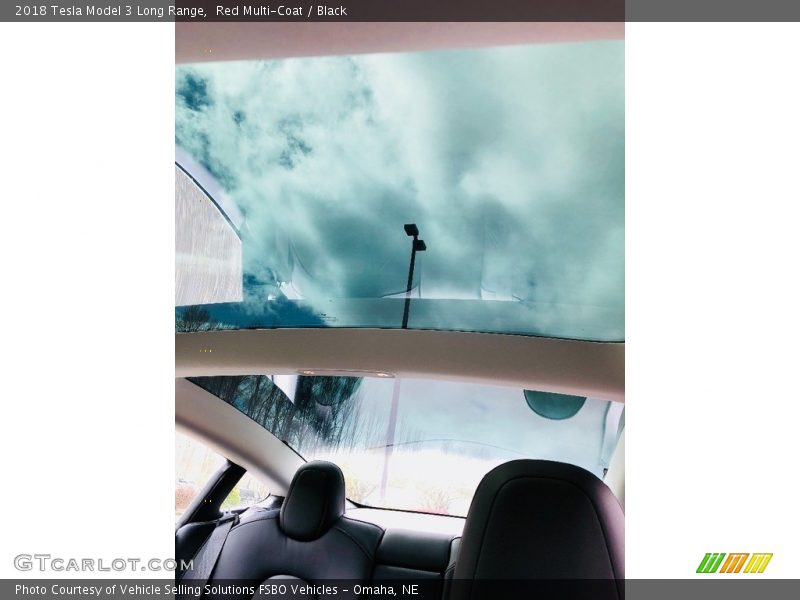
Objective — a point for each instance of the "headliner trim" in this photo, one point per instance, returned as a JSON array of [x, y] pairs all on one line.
[[573, 367], [201, 42]]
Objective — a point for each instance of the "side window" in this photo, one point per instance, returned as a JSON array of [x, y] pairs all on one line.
[[195, 463], [248, 491]]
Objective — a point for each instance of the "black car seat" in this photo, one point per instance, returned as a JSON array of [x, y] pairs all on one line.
[[307, 540], [541, 529]]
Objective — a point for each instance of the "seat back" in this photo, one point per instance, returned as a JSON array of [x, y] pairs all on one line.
[[308, 539], [533, 519]]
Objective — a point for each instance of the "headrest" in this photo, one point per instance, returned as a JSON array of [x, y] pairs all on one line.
[[314, 502], [536, 519]]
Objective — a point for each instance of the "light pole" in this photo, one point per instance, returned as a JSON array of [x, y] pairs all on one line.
[[417, 245]]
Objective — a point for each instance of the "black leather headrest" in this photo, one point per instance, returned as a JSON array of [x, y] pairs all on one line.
[[314, 502], [536, 519]]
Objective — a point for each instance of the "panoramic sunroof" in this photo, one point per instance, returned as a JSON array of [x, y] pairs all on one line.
[[297, 180]]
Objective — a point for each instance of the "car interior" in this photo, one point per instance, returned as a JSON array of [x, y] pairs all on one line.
[[450, 424]]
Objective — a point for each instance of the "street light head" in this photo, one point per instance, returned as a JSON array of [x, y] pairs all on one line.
[[411, 229], [419, 245]]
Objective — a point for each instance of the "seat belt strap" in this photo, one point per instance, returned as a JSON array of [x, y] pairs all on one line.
[[206, 559]]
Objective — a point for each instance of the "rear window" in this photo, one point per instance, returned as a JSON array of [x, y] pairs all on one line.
[[379, 430], [297, 180]]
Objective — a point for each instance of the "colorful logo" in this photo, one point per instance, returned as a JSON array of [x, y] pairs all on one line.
[[733, 563]]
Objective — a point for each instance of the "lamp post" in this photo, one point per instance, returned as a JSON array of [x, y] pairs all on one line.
[[417, 245]]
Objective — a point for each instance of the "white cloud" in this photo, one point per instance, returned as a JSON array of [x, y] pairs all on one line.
[[511, 160]]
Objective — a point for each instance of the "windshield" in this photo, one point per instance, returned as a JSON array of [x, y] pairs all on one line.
[[508, 162], [380, 430]]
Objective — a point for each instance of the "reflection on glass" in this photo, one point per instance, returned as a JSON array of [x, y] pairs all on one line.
[[379, 431], [554, 406]]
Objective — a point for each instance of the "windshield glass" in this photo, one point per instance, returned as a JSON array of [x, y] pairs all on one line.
[[380, 430], [509, 162]]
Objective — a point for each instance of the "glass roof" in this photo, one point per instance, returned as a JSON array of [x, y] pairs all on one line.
[[380, 430], [509, 161]]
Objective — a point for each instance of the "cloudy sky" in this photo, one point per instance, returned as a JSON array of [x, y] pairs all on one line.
[[510, 160]]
